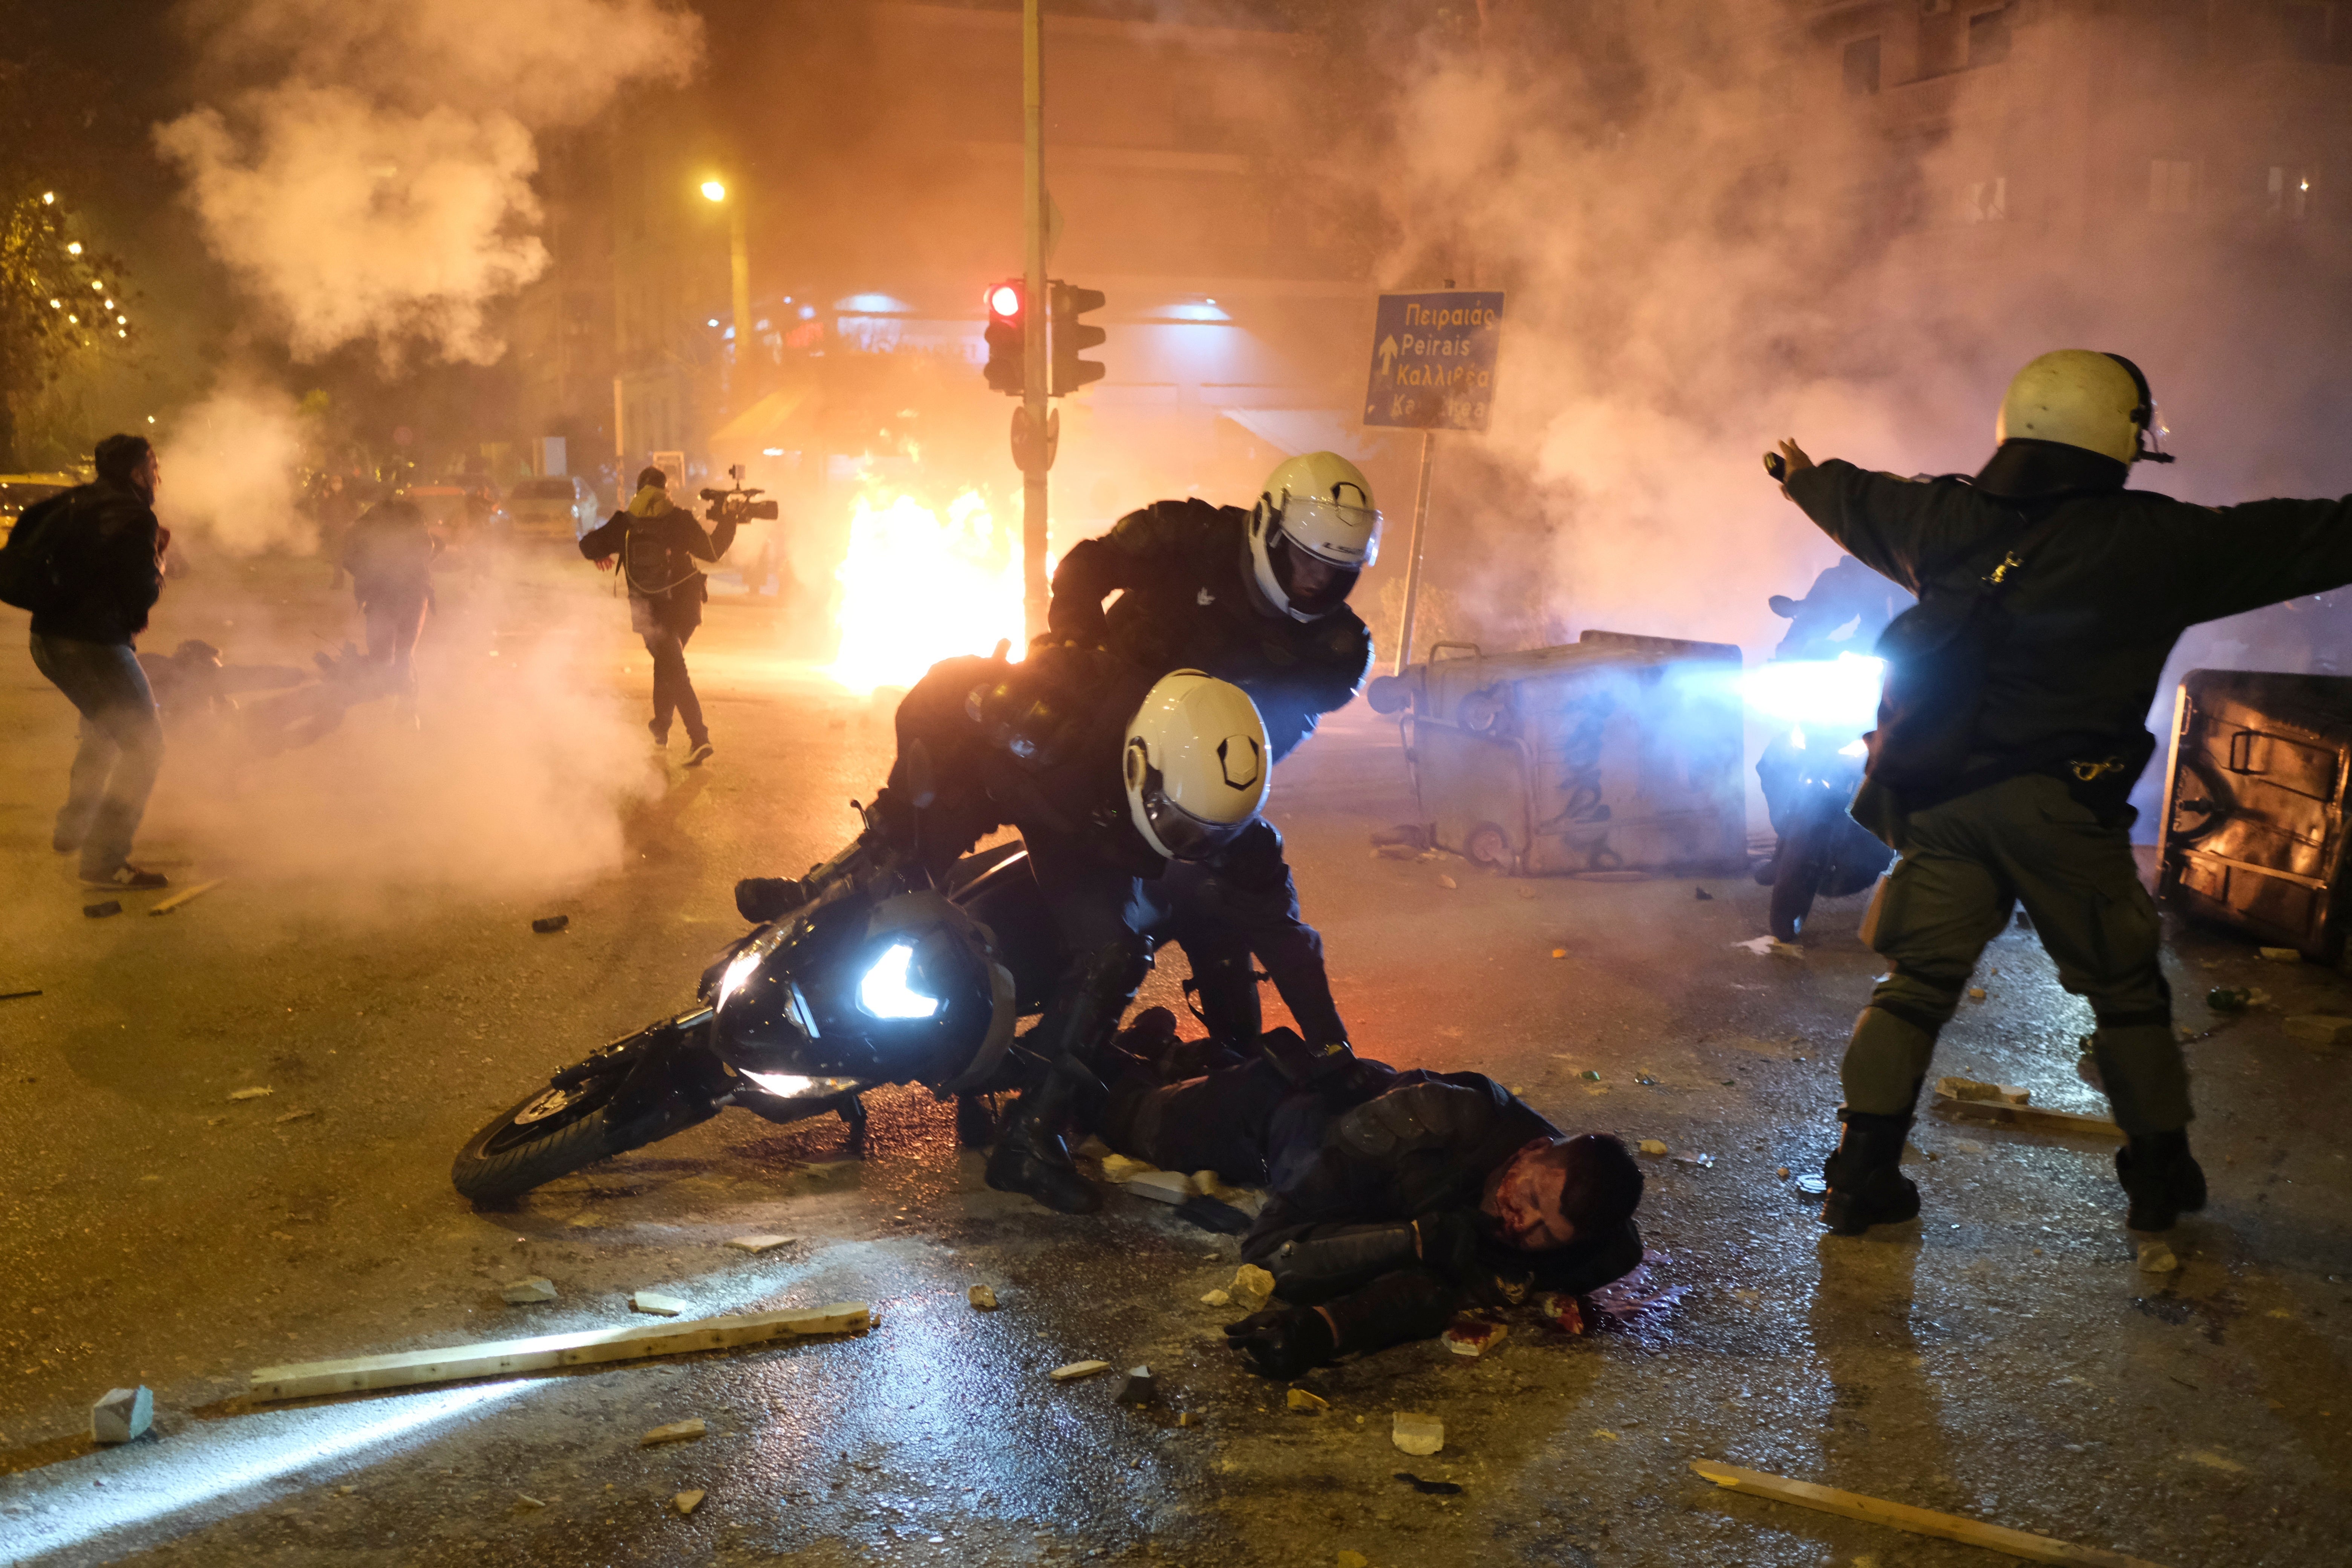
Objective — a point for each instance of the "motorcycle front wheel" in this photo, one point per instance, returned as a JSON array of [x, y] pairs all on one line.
[[1797, 874], [561, 1129]]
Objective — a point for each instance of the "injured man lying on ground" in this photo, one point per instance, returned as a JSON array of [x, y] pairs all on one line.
[[1394, 1200]]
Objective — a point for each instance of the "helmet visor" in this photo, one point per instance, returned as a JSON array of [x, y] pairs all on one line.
[[1182, 835], [1347, 537]]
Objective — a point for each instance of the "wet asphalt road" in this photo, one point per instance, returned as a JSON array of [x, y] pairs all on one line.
[[369, 961]]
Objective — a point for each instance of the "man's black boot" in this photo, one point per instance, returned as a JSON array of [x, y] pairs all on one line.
[[1866, 1177], [2160, 1177], [1031, 1158]]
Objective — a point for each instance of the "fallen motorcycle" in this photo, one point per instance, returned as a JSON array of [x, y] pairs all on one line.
[[873, 983], [1809, 771]]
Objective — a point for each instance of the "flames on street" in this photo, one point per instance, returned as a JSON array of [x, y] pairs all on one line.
[[918, 586]]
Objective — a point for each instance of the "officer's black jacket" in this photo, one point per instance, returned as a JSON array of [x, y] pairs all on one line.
[[1182, 571], [1423, 1145], [2099, 604]]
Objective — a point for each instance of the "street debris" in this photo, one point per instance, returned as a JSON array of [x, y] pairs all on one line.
[[1410, 836], [685, 1431], [1475, 1336], [1162, 1187], [1428, 1489], [659, 1305], [1810, 1186], [2156, 1257], [756, 1244], [16, 996], [505, 1358], [1976, 993], [1209, 1184], [98, 911], [1651, 1146], [549, 925], [1559, 952], [249, 1093], [1918, 1521], [293, 1116], [1137, 1387], [1560, 1311], [981, 1296], [2033, 1118], [522, 1500], [1217, 1299], [1076, 1370], [1120, 1168], [1448, 883], [1700, 895], [1771, 947], [184, 895], [1986, 1093], [1210, 1215], [1351, 1560], [1251, 1285], [1696, 1162], [2230, 998], [1590, 1075], [1188, 1418], [686, 1502], [523, 1293], [121, 1413], [2283, 955], [1304, 1399], [1416, 1433], [2321, 1028]]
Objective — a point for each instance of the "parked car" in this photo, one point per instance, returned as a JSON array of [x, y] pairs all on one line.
[[558, 510]]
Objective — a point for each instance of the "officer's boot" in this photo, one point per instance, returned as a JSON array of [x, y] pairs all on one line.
[[1030, 1157], [2160, 1177], [1866, 1177]]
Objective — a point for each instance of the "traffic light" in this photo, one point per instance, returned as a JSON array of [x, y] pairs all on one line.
[[1070, 372], [1007, 358]]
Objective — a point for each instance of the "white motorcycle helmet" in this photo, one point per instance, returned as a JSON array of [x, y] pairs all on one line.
[[1195, 766], [1313, 529], [2078, 398]]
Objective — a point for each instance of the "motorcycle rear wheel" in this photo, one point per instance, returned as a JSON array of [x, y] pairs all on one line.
[[519, 1150]]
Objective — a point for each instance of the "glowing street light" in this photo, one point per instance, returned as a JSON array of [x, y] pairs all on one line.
[[739, 268], [74, 248], [714, 191], [48, 198]]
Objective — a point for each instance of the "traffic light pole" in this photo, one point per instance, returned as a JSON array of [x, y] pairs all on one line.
[[1036, 454]]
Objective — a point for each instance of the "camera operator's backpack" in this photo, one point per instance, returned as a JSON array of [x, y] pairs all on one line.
[[652, 567], [35, 564]]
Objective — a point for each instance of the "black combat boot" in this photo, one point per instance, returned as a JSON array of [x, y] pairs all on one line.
[[1032, 1158], [2160, 1177], [1866, 1177]]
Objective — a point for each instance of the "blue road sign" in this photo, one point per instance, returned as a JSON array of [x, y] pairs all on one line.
[[1434, 360]]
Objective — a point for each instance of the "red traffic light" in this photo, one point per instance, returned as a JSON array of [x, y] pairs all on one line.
[[1005, 300]]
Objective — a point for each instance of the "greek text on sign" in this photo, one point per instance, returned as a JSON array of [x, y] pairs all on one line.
[[1434, 360]]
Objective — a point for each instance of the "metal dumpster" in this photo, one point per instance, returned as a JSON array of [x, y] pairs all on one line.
[[2254, 832], [1614, 752]]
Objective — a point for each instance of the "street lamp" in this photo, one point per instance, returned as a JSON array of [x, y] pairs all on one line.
[[739, 266]]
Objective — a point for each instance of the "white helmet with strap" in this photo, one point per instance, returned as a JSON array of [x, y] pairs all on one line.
[[2079, 397], [1195, 766], [1314, 529]]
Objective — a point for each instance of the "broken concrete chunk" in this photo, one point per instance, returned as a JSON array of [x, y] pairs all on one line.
[[2283, 955], [659, 1305], [686, 1502], [1163, 1186], [551, 924], [1252, 1286], [1970, 1089], [1137, 1387], [1208, 1183], [1475, 1336], [249, 1093], [522, 1500], [1304, 1399], [1094, 1148], [120, 1415], [1188, 1418], [1217, 1299], [760, 1243], [1357, 1559], [981, 1296], [1120, 1168], [1976, 993], [1448, 883], [2156, 1257], [1416, 1433], [1076, 1370], [522, 1292], [1652, 1146], [2321, 1028], [676, 1432]]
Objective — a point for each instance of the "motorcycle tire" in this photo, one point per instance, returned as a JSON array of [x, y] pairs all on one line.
[[508, 1158], [1797, 876]]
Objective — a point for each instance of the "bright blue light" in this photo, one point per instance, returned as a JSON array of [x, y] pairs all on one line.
[[1841, 692], [873, 304], [885, 992]]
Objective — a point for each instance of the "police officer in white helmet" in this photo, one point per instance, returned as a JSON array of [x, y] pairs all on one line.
[[2011, 732]]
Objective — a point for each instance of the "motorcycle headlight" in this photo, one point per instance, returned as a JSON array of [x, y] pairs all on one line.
[[736, 972], [1841, 692], [791, 1085], [886, 992]]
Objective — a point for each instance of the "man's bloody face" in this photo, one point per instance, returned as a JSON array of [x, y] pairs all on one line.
[[1524, 1201]]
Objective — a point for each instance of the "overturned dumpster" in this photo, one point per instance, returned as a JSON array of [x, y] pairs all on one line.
[[1615, 753], [2254, 832]]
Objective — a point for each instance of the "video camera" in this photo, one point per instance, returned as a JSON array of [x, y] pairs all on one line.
[[738, 503]]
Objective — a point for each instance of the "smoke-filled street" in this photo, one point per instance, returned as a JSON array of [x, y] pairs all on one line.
[[2005, 1359]]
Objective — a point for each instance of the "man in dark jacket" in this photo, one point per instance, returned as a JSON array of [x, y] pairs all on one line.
[[2090, 585], [1258, 598], [111, 561], [657, 543], [1395, 1200], [389, 554]]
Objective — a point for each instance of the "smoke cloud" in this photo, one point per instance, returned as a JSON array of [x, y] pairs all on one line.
[[228, 473], [369, 177]]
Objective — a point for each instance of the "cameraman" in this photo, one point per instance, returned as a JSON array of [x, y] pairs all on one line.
[[657, 544]]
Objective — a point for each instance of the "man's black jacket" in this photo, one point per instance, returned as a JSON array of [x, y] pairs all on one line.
[[2117, 577], [110, 562], [1187, 601], [678, 597], [1420, 1146]]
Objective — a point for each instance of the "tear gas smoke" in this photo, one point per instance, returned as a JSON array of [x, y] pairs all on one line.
[[365, 172], [228, 467]]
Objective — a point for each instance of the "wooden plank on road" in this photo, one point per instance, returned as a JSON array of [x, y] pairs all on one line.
[[2029, 1118], [1918, 1521], [500, 1357]]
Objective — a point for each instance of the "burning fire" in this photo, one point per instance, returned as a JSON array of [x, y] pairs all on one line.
[[917, 588]]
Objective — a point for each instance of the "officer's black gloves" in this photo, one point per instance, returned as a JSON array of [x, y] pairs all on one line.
[[763, 899], [1283, 1342]]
